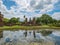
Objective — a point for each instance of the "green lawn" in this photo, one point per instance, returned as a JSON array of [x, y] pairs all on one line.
[[28, 27]]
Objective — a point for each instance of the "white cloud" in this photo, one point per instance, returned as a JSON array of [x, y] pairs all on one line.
[[48, 9], [8, 13], [56, 15], [28, 6], [32, 5]]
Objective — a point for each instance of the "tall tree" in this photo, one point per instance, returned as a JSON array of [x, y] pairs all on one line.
[[45, 19], [14, 20], [5, 20]]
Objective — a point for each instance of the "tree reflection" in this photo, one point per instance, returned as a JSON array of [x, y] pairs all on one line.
[[45, 32], [1, 34], [25, 33], [34, 34]]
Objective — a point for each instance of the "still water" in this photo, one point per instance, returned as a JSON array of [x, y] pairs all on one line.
[[30, 37]]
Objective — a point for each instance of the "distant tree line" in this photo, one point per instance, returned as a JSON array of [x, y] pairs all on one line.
[[43, 20], [47, 20], [12, 21]]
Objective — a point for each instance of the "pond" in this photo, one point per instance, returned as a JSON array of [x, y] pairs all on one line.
[[30, 37]]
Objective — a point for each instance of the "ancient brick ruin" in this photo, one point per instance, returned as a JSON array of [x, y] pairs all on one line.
[[30, 22], [1, 19]]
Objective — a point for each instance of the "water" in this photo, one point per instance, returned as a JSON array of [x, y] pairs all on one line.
[[30, 37]]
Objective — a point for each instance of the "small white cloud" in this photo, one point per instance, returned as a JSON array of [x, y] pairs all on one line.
[[48, 9], [56, 15]]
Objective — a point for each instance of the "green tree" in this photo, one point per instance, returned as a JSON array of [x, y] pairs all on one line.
[[24, 16], [38, 21], [5, 20], [14, 20], [45, 19], [57, 23]]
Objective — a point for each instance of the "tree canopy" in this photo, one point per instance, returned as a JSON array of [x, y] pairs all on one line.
[[45, 19], [14, 20]]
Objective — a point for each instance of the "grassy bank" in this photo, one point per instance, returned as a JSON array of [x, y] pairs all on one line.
[[28, 27]]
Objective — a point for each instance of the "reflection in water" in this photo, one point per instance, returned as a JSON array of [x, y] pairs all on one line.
[[45, 33], [25, 33], [34, 34], [30, 37], [1, 34]]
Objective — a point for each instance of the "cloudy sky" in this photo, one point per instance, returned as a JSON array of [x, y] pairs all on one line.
[[30, 8]]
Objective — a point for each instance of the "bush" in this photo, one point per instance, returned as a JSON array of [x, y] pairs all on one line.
[[57, 24]]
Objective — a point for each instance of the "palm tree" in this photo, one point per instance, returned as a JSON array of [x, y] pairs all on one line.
[[24, 16]]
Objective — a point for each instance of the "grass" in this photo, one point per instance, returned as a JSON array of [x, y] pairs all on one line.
[[28, 27]]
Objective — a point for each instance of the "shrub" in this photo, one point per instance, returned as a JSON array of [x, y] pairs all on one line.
[[57, 24]]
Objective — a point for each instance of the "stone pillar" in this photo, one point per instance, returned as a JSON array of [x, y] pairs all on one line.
[[34, 21], [25, 21]]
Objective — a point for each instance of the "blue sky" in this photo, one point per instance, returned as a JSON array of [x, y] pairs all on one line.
[[30, 8], [8, 3]]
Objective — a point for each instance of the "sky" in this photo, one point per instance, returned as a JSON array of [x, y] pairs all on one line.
[[30, 8]]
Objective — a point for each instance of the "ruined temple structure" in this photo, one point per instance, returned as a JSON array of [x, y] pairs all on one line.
[[1, 19], [34, 21], [30, 22]]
